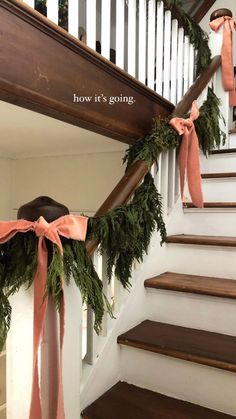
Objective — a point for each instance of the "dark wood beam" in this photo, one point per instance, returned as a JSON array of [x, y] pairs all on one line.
[[42, 66], [203, 9]]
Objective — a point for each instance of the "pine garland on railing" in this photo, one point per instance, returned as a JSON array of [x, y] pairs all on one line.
[[198, 37], [124, 233]]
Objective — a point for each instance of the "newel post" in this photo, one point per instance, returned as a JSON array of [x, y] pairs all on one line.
[[20, 341], [215, 43]]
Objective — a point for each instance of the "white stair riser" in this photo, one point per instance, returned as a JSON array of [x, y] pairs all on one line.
[[218, 190], [232, 140], [218, 163], [192, 310], [209, 222], [202, 260], [199, 384]]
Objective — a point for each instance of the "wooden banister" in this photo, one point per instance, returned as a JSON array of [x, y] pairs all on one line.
[[135, 173], [203, 9], [197, 87]]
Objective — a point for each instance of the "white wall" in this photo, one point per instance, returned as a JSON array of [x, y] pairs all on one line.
[[5, 187], [81, 182]]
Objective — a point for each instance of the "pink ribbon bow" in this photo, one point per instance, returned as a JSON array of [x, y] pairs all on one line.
[[189, 156], [71, 227], [227, 50]]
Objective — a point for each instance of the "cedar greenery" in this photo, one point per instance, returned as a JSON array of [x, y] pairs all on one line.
[[198, 38], [18, 262], [125, 232], [163, 137], [207, 125]]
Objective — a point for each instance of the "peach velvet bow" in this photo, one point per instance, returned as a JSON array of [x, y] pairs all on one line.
[[227, 50], [189, 156], [69, 226]]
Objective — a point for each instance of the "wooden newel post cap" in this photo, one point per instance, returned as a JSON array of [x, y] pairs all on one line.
[[219, 13], [42, 206]]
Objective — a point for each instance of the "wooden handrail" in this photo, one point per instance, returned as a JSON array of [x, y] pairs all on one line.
[[203, 9], [136, 172], [197, 87]]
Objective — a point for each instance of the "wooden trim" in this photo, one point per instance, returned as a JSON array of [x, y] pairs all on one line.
[[224, 151], [126, 401], [218, 175], [46, 66], [212, 205], [225, 241], [198, 86], [203, 9], [204, 285], [207, 348]]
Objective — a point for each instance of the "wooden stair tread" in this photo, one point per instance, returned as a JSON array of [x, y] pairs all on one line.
[[217, 287], [202, 240], [126, 401], [213, 349], [212, 205], [218, 175], [224, 151]]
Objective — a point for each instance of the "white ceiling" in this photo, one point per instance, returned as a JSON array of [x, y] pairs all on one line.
[[24, 133]]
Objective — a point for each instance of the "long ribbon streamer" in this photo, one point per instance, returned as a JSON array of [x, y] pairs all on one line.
[[226, 51], [189, 156], [71, 227]]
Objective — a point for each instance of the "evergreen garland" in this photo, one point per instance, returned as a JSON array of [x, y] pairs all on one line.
[[163, 137], [18, 262], [124, 233], [198, 37], [207, 125]]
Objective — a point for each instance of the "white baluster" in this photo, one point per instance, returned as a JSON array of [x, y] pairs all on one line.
[[73, 17], [164, 181], [186, 63], [159, 47], [72, 359], [91, 23], [159, 173], [106, 28], [171, 179], [132, 37], [151, 43], [174, 46], [107, 291], [167, 39], [53, 10], [142, 40], [191, 65], [180, 64], [120, 32], [29, 2]]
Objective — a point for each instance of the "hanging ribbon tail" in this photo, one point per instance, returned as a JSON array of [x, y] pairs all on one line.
[[232, 98], [40, 308], [194, 172], [189, 161], [226, 51], [60, 401]]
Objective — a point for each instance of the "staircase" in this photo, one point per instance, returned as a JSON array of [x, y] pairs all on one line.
[[186, 348]]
